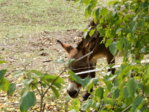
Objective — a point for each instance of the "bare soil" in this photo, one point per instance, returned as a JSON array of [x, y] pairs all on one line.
[[30, 52]]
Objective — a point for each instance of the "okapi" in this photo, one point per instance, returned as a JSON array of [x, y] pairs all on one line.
[[86, 54]]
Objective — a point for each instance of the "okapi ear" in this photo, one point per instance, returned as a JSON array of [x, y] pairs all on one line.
[[67, 47]]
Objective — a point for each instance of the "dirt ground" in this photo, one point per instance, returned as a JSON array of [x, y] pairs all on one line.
[[24, 49], [29, 53]]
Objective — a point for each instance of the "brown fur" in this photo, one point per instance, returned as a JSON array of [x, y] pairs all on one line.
[[89, 44]]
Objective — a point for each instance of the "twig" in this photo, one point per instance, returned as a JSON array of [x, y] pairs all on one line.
[[41, 87], [126, 108], [54, 81], [84, 56], [47, 61], [37, 89], [41, 103], [43, 93], [44, 105]]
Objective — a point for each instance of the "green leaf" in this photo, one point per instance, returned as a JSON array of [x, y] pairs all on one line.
[[91, 32], [90, 7], [132, 86], [146, 89], [104, 12], [125, 92], [109, 84], [125, 70], [91, 83], [118, 31], [4, 84], [109, 101], [75, 105], [108, 34], [11, 89], [108, 42], [120, 44], [27, 82], [135, 18], [112, 2], [50, 78], [88, 10], [137, 101], [132, 26], [19, 73], [27, 101], [146, 74], [96, 15], [87, 104], [56, 91], [37, 73], [113, 48], [116, 93], [99, 92], [73, 110], [77, 79], [2, 73], [86, 2], [2, 61], [60, 61]]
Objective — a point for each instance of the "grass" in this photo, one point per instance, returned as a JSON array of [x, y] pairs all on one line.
[[20, 22], [21, 17]]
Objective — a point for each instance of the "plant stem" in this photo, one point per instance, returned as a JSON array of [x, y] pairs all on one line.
[[41, 103], [41, 87], [37, 89], [126, 108], [43, 93], [54, 81]]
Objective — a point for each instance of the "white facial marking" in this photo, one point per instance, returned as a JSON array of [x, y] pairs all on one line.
[[73, 87]]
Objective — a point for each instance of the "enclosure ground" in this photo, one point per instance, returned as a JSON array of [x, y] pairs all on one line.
[[29, 30]]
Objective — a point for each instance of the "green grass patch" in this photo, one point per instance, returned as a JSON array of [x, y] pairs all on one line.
[[21, 17]]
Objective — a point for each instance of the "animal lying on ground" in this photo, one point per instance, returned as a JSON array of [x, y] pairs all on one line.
[[86, 54]]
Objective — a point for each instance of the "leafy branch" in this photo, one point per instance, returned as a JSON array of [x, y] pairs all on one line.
[[43, 93], [42, 83]]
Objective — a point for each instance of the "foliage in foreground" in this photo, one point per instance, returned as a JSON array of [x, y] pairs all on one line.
[[124, 26], [33, 84], [37, 83], [126, 90], [5, 84]]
